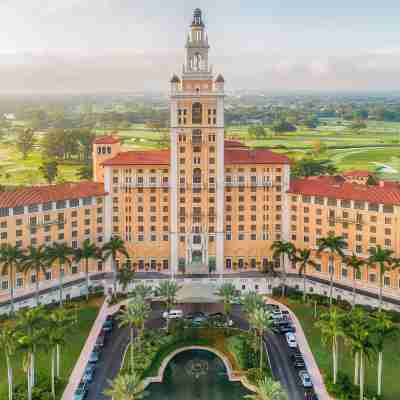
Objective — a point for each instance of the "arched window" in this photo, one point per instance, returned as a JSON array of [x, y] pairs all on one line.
[[197, 113], [196, 136]]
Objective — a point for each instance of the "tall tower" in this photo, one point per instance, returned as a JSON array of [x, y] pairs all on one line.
[[197, 160]]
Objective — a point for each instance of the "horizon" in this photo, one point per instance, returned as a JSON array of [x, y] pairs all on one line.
[[91, 47]]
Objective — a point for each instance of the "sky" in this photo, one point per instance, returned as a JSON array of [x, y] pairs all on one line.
[[97, 46]]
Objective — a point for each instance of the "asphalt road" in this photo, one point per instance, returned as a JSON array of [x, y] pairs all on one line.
[[111, 357]]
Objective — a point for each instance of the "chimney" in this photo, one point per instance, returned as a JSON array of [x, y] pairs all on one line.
[[381, 184]]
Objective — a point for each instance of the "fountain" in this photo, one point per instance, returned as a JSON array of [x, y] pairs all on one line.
[[196, 375]]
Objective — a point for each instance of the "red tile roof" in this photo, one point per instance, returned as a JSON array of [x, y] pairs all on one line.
[[257, 156], [106, 140], [357, 174], [162, 157], [230, 144], [336, 187], [149, 157], [44, 194]]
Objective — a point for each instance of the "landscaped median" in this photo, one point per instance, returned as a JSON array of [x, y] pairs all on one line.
[[156, 348]]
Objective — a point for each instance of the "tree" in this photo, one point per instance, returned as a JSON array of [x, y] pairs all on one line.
[[251, 301], [134, 316], [335, 245], [61, 322], [357, 331], [304, 259], [8, 343], [331, 326], [142, 291], [268, 389], [49, 170], [30, 327], [383, 259], [53, 144], [112, 249], [261, 320], [355, 263], [25, 141], [88, 251], [10, 263], [86, 172], [125, 276], [167, 291], [60, 254], [310, 167], [125, 387], [383, 328], [35, 260], [227, 291], [282, 249]]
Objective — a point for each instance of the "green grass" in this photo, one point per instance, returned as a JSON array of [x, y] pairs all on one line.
[[322, 354], [87, 314]]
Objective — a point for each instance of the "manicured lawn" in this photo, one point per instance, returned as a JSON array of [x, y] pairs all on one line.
[[322, 354], [87, 314]]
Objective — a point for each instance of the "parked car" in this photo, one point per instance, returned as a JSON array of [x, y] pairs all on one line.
[[291, 340], [108, 326], [94, 357], [88, 374], [305, 379], [81, 391], [172, 314], [298, 360], [199, 320], [197, 314], [284, 327], [101, 339]]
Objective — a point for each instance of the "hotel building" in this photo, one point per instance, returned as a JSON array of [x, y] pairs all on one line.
[[206, 206]]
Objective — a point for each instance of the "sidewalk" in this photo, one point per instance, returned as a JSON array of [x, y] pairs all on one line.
[[312, 367]]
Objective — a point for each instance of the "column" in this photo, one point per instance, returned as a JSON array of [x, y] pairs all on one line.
[[220, 236], [173, 189]]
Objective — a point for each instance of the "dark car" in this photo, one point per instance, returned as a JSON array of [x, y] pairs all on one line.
[[81, 391], [108, 326], [196, 314], [88, 374], [94, 357], [285, 328]]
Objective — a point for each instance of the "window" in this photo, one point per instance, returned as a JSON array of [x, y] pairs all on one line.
[[74, 203], [61, 204], [18, 210], [197, 110], [33, 208]]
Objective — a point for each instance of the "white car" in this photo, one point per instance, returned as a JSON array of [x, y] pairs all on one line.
[[305, 379], [291, 340], [173, 314]]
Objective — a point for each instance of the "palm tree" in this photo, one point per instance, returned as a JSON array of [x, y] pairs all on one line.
[[261, 320], [125, 276], [335, 245], [304, 258], [355, 263], [36, 260], [10, 263], [142, 291], [227, 291], [30, 327], [125, 387], [168, 290], [251, 301], [111, 250], [383, 328], [268, 389], [61, 254], [331, 326], [88, 251], [8, 343], [383, 259], [61, 322], [281, 249], [134, 316]]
